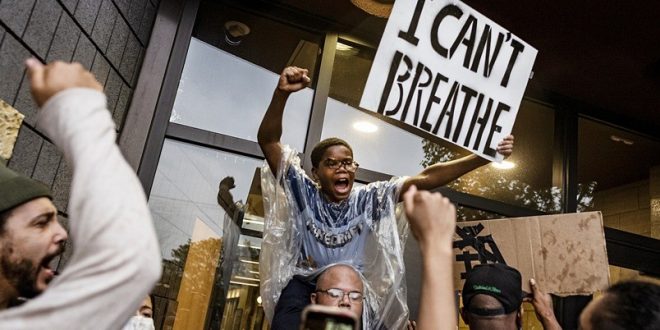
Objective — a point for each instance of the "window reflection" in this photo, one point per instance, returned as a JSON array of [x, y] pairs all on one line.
[[254, 213], [204, 256], [622, 170], [384, 147], [223, 93], [243, 308], [199, 260], [464, 213]]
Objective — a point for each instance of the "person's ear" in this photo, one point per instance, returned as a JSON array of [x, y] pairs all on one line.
[[315, 175], [312, 298]]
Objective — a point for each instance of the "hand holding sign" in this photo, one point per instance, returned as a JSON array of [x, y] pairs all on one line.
[[505, 147], [542, 303], [447, 70], [293, 79]]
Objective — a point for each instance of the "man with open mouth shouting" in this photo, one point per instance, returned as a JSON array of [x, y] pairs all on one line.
[[116, 258], [30, 238], [324, 220]]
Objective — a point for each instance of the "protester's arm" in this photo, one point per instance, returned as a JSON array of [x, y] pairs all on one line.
[[291, 80], [542, 303], [432, 220], [116, 259], [440, 174]]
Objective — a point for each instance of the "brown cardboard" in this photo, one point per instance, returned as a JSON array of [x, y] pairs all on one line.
[[564, 253], [10, 124]]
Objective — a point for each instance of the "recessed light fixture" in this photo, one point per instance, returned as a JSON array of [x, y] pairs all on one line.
[[625, 141], [235, 31], [504, 165], [365, 126]]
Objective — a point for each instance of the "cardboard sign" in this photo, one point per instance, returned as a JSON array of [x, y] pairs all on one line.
[[444, 68], [10, 124], [564, 253]]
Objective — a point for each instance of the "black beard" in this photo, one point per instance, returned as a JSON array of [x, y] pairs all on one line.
[[22, 274]]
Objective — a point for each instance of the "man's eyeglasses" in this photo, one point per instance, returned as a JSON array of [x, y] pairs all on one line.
[[337, 294], [349, 164]]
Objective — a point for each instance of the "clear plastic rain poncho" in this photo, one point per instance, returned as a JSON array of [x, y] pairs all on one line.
[[304, 234]]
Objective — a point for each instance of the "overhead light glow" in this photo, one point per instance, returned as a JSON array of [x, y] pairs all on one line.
[[343, 47], [365, 127], [243, 283], [625, 141], [246, 278], [504, 165]]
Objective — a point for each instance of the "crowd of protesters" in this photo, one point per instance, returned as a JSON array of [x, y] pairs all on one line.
[[116, 260]]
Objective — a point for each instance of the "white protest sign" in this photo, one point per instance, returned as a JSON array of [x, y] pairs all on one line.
[[444, 68]]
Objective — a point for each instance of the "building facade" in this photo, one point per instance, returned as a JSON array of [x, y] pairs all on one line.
[[188, 83]]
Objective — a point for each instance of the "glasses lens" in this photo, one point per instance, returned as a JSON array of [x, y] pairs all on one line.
[[350, 165], [333, 164], [335, 293], [355, 296]]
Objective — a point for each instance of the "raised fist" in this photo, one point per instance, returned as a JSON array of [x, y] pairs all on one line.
[[293, 79], [48, 80], [432, 217]]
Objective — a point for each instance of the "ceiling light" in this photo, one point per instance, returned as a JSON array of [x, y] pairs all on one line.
[[504, 165], [244, 283], [343, 47], [347, 50], [625, 141], [234, 32], [364, 126], [246, 278]]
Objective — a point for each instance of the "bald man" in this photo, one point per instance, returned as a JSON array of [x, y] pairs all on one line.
[[340, 286]]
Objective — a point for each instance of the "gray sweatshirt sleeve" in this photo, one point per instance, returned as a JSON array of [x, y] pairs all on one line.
[[116, 259]]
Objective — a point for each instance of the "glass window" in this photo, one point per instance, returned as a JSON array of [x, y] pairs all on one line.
[[243, 308], [529, 182], [193, 189], [464, 213], [384, 147], [226, 87], [618, 174]]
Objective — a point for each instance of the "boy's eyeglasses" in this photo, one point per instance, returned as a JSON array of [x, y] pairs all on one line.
[[349, 164]]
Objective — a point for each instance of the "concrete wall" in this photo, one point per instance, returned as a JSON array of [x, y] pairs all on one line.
[[107, 36], [628, 208]]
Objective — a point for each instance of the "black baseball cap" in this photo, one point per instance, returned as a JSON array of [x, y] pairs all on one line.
[[496, 280]]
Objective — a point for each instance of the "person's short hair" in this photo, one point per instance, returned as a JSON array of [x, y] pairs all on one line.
[[321, 147], [498, 281], [628, 305]]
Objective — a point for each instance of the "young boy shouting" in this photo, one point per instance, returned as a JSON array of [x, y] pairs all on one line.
[[329, 222]]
